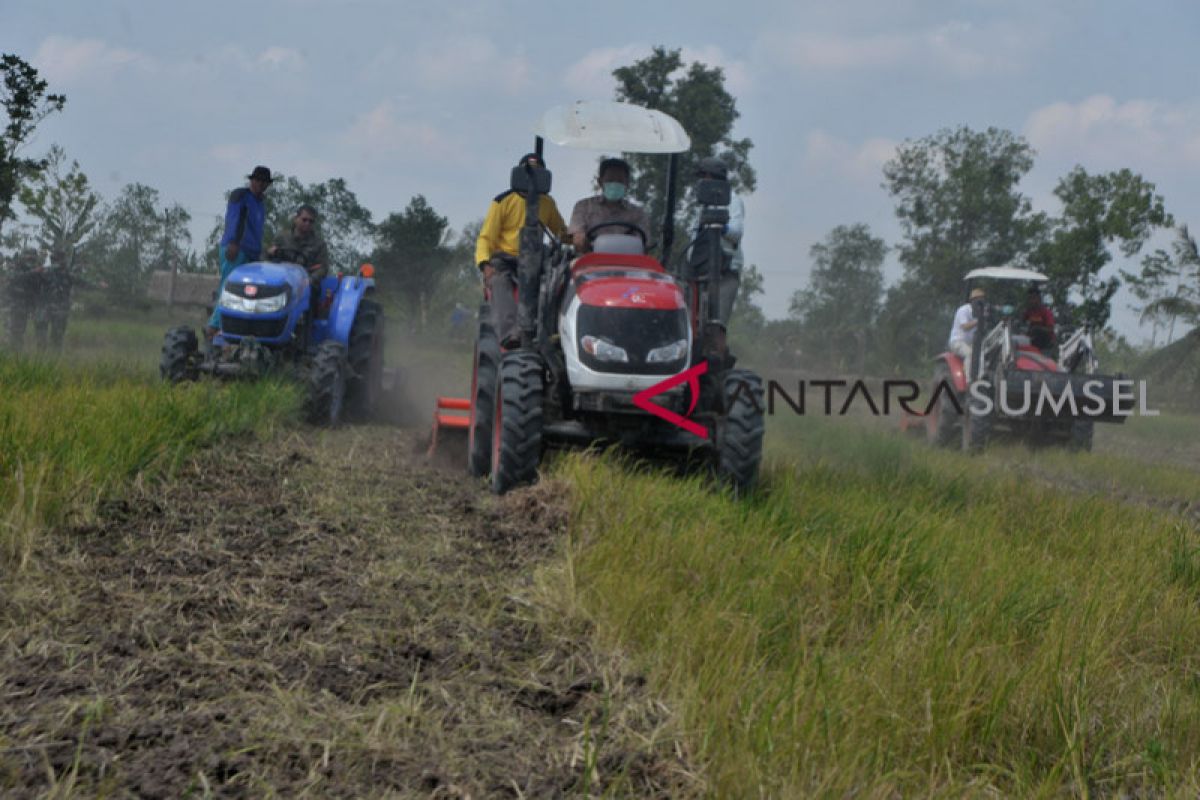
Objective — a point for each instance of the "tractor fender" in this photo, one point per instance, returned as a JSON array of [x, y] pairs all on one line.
[[955, 366], [350, 292]]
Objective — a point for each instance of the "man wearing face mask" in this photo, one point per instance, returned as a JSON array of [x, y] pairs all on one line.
[[610, 207]]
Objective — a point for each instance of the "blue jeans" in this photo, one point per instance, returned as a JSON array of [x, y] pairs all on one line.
[[227, 267]]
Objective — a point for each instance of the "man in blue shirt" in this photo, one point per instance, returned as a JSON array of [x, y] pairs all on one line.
[[242, 240]]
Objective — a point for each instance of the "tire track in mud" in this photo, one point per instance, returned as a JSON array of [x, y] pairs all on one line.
[[318, 615]]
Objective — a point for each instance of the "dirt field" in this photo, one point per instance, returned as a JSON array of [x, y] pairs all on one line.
[[319, 615]]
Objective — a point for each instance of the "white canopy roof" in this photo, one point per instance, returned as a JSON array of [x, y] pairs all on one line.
[[1006, 274], [607, 125]]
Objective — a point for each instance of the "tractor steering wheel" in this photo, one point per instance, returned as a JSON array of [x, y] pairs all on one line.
[[289, 255], [629, 227]]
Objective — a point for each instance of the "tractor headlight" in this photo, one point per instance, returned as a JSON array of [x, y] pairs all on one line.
[[603, 350], [253, 305], [667, 353]]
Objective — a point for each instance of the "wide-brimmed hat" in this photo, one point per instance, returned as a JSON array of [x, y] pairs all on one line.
[[261, 173], [976, 293]]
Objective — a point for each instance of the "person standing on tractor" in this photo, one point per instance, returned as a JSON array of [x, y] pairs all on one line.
[[55, 305], [610, 206], [962, 332], [302, 241], [1039, 319], [242, 240], [713, 168], [22, 294], [498, 246]]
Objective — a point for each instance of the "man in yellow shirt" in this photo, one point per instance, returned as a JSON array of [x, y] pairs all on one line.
[[498, 245]]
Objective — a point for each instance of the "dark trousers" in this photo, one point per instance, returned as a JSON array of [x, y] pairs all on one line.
[[502, 291], [49, 329], [19, 314]]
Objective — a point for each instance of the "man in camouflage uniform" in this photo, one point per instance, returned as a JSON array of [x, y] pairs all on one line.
[[303, 242], [22, 293], [50, 321]]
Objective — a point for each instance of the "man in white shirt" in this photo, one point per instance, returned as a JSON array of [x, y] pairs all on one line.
[[962, 333]]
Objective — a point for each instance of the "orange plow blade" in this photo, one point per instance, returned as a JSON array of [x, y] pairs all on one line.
[[452, 414]]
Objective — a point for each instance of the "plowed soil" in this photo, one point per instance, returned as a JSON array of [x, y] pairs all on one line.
[[319, 615]]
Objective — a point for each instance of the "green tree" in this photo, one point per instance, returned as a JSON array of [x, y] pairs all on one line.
[[1098, 211], [138, 235], [747, 316], [696, 96], [959, 207], [343, 221], [412, 254], [61, 200], [841, 303], [1169, 284], [26, 103]]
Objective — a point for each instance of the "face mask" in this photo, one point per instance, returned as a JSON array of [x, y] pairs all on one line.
[[614, 191]]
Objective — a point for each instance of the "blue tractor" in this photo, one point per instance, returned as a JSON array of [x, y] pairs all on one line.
[[271, 322]]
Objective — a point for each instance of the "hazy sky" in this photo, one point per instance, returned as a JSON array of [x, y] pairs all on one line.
[[405, 98]]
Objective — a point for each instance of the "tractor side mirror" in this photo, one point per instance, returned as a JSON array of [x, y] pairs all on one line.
[[519, 180], [713, 192]]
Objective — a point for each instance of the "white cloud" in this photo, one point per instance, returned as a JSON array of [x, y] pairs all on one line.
[[1102, 130], [861, 162], [66, 60], [385, 130], [961, 49], [591, 76], [470, 61], [281, 58]]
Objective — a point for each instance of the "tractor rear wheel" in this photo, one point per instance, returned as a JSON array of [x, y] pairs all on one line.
[[943, 421], [740, 431], [178, 352], [365, 384], [517, 424], [1081, 435], [327, 384], [486, 366]]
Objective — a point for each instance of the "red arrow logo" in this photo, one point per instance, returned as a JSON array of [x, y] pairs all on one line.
[[692, 377]]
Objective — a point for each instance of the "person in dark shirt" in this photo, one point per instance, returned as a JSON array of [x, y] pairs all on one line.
[[1039, 319], [22, 294], [242, 240]]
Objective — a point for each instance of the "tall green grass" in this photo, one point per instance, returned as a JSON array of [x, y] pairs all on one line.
[[872, 625], [69, 435]]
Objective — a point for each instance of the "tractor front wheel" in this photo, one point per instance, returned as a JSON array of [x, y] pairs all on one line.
[[483, 399], [517, 424], [327, 384], [740, 431], [179, 352]]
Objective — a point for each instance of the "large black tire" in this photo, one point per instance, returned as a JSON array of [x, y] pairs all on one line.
[[977, 429], [365, 354], [178, 355], [327, 384], [1081, 435], [517, 425], [484, 372], [740, 431], [942, 425]]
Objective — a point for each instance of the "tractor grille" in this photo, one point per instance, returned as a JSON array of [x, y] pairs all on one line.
[[259, 328], [636, 330]]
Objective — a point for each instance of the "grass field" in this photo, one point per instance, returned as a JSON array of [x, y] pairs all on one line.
[[72, 434], [888, 620], [882, 619]]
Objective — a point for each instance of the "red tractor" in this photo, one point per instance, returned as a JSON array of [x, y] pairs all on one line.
[[1015, 386], [603, 332]]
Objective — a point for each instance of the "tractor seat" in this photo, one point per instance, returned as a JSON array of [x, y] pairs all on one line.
[[623, 243]]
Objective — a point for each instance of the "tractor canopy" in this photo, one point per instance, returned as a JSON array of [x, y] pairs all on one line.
[[1006, 274], [607, 125]]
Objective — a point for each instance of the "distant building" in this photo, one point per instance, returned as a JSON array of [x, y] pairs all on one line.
[[191, 288]]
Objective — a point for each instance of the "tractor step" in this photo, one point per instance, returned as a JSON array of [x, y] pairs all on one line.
[[448, 416]]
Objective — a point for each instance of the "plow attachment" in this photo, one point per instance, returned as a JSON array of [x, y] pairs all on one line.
[[1060, 395], [451, 418]]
